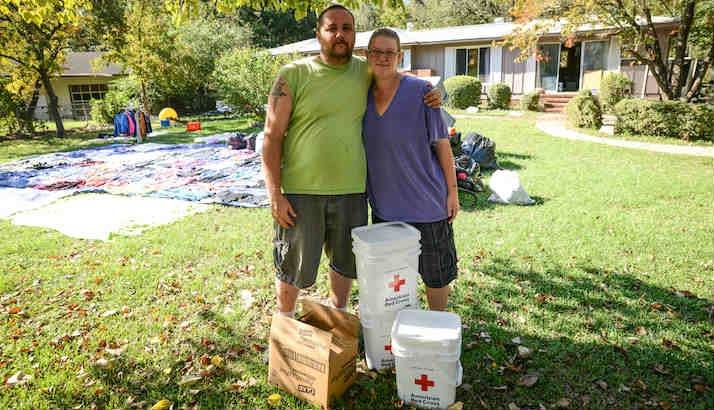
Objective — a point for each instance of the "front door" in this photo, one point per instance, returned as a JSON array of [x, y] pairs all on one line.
[[569, 68], [548, 64]]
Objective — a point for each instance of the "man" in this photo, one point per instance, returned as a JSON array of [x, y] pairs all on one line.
[[314, 161]]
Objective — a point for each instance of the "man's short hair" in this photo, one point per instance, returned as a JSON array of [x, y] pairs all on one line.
[[333, 7]]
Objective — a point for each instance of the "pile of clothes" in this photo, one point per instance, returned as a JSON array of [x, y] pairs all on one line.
[[206, 173], [132, 123]]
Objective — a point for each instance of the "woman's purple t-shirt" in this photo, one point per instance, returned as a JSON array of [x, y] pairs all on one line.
[[404, 179]]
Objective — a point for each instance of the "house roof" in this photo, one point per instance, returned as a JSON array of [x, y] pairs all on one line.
[[445, 35], [79, 64]]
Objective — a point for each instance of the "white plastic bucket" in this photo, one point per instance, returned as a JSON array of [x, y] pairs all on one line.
[[377, 333], [387, 257], [427, 346]]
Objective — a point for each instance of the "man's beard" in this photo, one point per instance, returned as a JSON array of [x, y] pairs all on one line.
[[332, 52]]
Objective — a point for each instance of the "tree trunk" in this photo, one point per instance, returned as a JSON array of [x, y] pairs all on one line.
[[676, 74], [52, 104]]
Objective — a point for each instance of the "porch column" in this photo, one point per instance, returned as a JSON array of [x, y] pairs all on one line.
[[449, 62], [496, 65], [529, 80], [613, 54]]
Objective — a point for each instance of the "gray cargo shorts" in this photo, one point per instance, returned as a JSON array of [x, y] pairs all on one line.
[[323, 221]]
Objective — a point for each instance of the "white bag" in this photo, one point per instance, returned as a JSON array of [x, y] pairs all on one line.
[[506, 188]]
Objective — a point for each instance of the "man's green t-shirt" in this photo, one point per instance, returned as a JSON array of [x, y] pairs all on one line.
[[323, 152]]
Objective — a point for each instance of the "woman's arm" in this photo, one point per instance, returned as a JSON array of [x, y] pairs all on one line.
[[442, 147]]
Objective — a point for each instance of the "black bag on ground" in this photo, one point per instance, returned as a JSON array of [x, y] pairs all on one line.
[[481, 150]]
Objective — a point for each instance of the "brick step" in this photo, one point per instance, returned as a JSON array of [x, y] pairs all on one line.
[[554, 109]]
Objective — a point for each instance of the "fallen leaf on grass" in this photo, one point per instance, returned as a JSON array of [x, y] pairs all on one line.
[[115, 352], [528, 380], [274, 399], [669, 344], [87, 294], [562, 403], [601, 384], [456, 406], [217, 361], [161, 405], [641, 384], [513, 406], [661, 370], [516, 340], [665, 405], [524, 352], [641, 331], [189, 380], [109, 313], [18, 379]]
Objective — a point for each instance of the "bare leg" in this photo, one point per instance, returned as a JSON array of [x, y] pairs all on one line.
[[287, 296], [340, 289], [437, 297]]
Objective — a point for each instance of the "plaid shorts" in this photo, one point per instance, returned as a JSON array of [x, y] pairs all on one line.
[[437, 261]]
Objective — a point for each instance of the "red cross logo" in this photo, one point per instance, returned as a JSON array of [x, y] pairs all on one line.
[[398, 282], [388, 348], [424, 382]]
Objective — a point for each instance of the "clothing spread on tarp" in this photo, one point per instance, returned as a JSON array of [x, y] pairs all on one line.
[[207, 173]]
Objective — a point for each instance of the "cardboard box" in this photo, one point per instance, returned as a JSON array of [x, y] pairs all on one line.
[[314, 357]]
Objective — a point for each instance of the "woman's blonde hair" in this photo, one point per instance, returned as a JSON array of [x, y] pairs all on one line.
[[385, 32]]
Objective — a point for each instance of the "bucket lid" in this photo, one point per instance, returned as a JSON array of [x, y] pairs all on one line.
[[386, 235], [426, 332]]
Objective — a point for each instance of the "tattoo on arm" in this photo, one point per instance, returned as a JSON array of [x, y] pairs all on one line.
[[277, 90]]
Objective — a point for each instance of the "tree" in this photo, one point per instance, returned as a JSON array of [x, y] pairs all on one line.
[[632, 20], [244, 77], [34, 35], [272, 28], [445, 13], [369, 16]]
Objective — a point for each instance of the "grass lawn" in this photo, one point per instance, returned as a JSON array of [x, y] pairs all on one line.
[[645, 138], [608, 279], [78, 138]]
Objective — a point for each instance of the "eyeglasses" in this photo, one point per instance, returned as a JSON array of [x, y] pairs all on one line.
[[379, 53]]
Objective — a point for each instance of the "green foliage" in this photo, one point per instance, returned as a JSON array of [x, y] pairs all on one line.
[[34, 35], [445, 13], [613, 88], [121, 93], [271, 28], [370, 16], [530, 101], [463, 91], [499, 96], [584, 110], [15, 118], [244, 77], [670, 119]]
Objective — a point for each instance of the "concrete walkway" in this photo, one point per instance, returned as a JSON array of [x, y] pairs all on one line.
[[558, 129]]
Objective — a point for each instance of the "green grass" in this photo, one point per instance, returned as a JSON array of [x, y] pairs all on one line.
[[79, 138], [608, 278], [645, 138]]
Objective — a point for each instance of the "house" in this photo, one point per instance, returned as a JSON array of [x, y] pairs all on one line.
[[560, 71], [81, 80]]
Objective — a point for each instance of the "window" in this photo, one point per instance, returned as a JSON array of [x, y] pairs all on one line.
[[475, 62], [80, 95], [595, 55]]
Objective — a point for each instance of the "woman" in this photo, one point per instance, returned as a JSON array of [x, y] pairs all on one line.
[[410, 168]]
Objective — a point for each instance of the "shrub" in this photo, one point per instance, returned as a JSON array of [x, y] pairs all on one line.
[[499, 96], [670, 119], [16, 116], [613, 88], [530, 101], [584, 110], [244, 76], [121, 92], [463, 91]]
